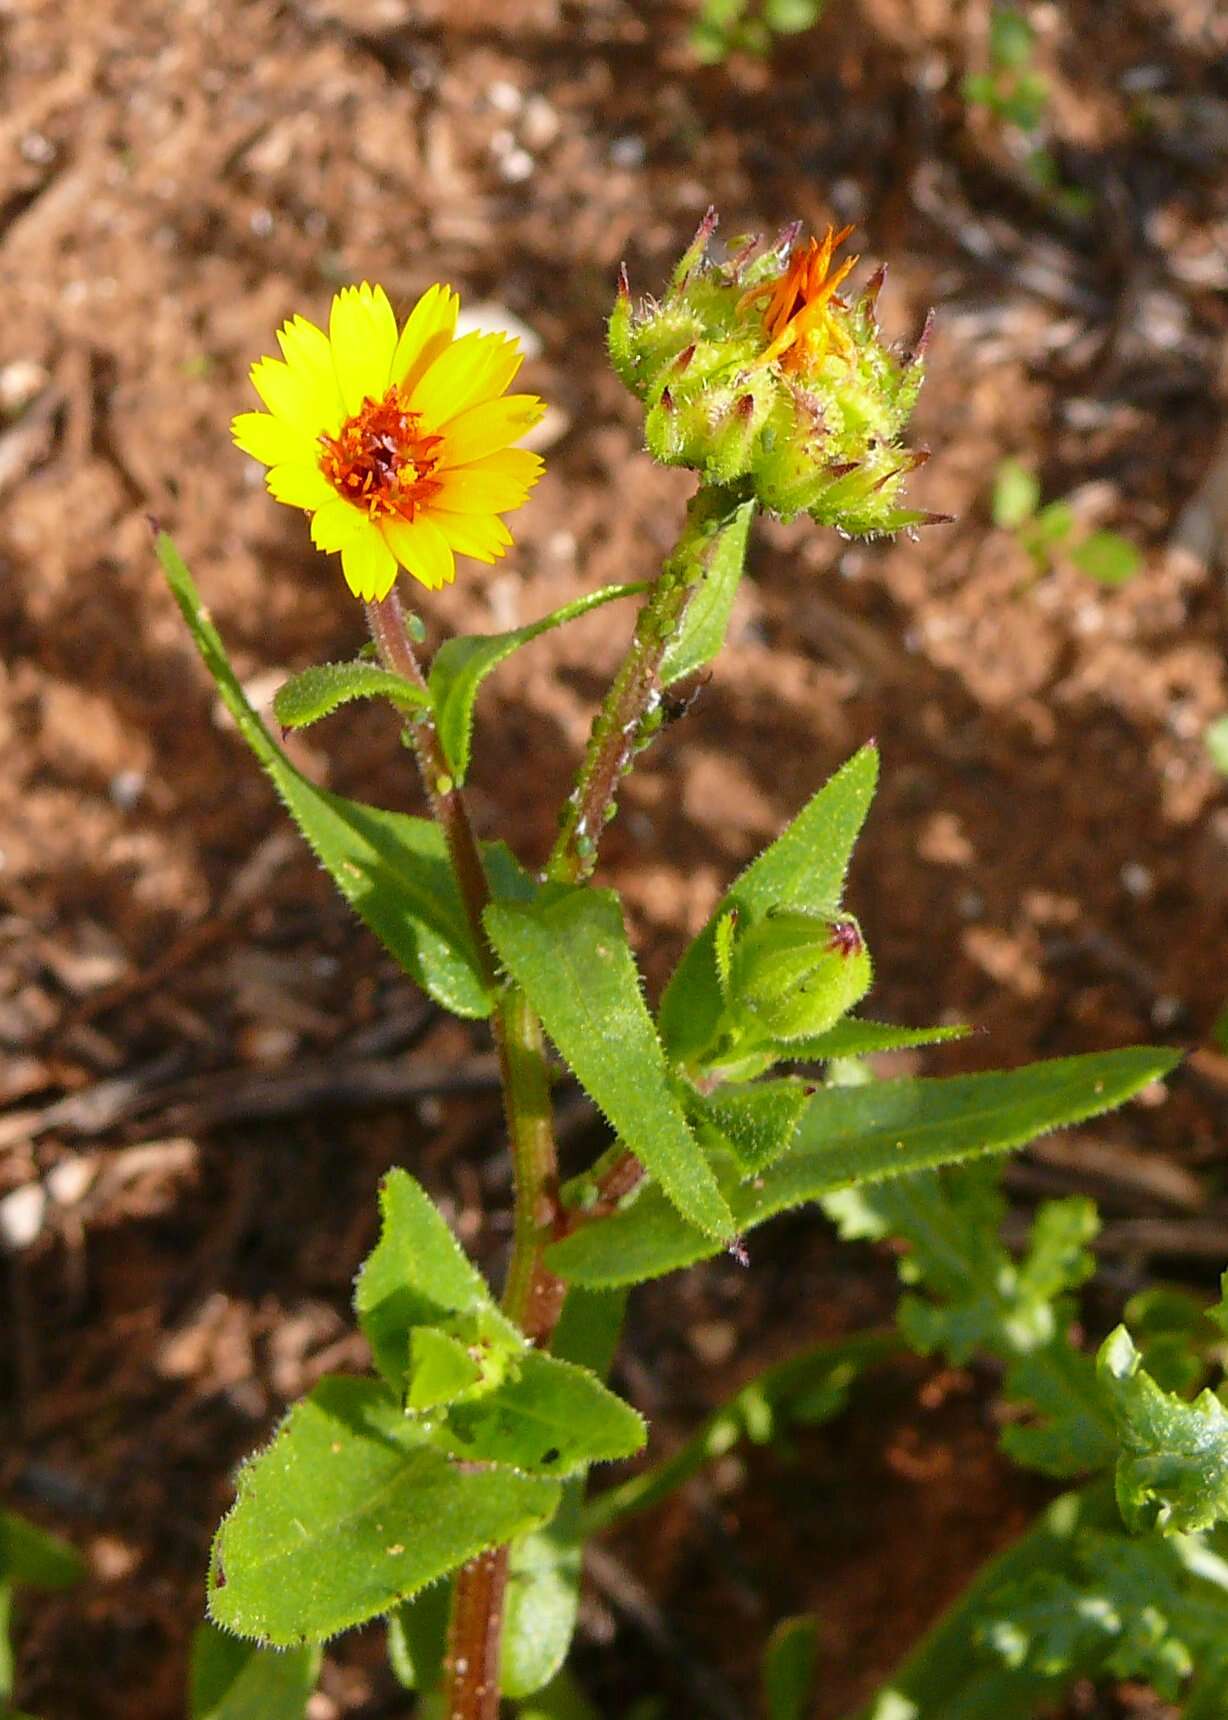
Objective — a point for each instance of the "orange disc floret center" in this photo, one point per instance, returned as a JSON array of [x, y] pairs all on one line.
[[380, 460], [798, 316]]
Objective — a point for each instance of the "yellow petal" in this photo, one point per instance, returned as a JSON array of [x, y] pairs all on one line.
[[482, 536], [489, 486], [422, 549], [363, 332], [428, 330], [306, 348], [301, 486], [293, 396], [270, 440], [485, 429], [369, 566], [336, 524], [473, 369]]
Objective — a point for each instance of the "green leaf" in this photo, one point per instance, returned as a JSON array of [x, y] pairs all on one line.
[[463, 663], [1172, 1473], [1070, 1430], [543, 1598], [31, 1557], [1052, 525], [393, 870], [1011, 38], [1107, 557], [418, 1275], [318, 691], [854, 1135], [804, 868], [789, 1668], [853, 1037], [1016, 491], [562, 1699], [236, 1680], [418, 1637], [755, 1124], [1215, 739], [348, 1513], [706, 619], [790, 17], [547, 1418], [569, 953]]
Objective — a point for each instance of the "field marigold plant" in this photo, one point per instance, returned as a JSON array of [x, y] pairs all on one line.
[[398, 444], [445, 1492]]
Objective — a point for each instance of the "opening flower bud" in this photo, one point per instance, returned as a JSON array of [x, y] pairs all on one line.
[[759, 369]]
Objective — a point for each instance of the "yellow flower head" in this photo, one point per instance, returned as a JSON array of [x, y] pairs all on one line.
[[397, 444]]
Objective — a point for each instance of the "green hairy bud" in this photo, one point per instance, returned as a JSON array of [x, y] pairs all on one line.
[[792, 975], [756, 370]]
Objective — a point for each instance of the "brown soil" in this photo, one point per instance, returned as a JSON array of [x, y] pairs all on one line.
[[1048, 855]]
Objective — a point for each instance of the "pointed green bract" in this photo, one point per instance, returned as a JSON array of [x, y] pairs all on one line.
[[1172, 1473], [463, 663], [569, 954], [852, 1135], [349, 1512], [393, 870], [854, 1037], [706, 620], [418, 1275], [236, 1680], [804, 868], [319, 691]]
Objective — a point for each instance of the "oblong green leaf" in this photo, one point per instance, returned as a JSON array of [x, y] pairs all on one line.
[[543, 1598], [236, 1680], [29, 1555], [348, 1513], [804, 868], [789, 1667], [320, 690], [706, 619], [852, 1135], [463, 663], [569, 953], [854, 1037], [393, 870]]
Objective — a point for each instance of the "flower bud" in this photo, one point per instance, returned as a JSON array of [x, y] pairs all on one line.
[[794, 974], [757, 370]]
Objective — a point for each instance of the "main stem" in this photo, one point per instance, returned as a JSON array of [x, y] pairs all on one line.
[[532, 1296]]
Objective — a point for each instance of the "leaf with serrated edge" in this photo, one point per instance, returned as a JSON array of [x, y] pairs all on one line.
[[850, 1135], [393, 870], [463, 663], [569, 953], [348, 1513], [319, 691], [854, 1037], [550, 1418], [417, 1275], [803, 868], [1172, 1471], [756, 1123]]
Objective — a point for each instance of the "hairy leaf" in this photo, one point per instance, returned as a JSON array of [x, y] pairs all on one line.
[[854, 1135], [853, 1037], [236, 1680], [755, 1124], [393, 870], [803, 868], [547, 1418], [1172, 1473], [569, 953], [706, 620], [418, 1275], [320, 690], [348, 1512], [463, 663]]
